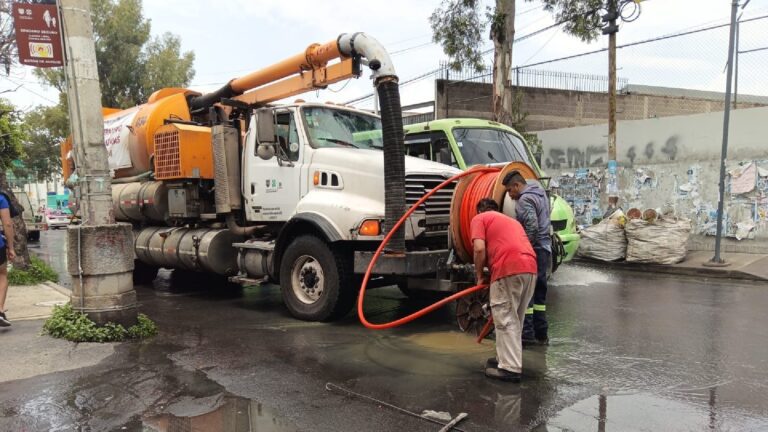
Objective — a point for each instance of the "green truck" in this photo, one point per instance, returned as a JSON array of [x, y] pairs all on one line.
[[464, 142]]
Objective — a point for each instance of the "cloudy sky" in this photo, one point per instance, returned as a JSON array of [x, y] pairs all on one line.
[[233, 37]]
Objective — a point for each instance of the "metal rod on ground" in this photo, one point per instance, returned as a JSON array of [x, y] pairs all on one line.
[[454, 422], [726, 120], [331, 387]]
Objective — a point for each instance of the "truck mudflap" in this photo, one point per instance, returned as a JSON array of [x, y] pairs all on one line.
[[415, 263]]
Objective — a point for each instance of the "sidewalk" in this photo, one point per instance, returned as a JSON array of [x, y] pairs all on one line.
[[31, 302], [742, 266]]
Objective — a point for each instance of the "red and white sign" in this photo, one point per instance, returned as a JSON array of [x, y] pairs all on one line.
[[38, 34], [117, 136]]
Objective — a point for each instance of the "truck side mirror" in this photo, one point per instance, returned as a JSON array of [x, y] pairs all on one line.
[[265, 133]]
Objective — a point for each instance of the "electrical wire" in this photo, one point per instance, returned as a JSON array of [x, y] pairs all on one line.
[[641, 42], [342, 87]]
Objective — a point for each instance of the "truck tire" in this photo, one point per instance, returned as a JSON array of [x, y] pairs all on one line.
[[33, 236], [317, 283], [143, 273]]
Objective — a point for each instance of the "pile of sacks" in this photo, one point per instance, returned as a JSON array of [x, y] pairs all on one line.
[[636, 237]]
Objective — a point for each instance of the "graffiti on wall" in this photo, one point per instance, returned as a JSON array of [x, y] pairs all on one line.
[[574, 157], [594, 156]]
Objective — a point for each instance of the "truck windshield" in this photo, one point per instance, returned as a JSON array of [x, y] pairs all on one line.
[[483, 146], [330, 127]]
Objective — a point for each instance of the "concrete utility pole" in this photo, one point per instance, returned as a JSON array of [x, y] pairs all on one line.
[[99, 251]]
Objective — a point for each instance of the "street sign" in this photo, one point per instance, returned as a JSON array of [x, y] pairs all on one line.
[[38, 33]]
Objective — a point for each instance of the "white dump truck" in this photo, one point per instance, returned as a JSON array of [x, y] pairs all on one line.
[[298, 194]]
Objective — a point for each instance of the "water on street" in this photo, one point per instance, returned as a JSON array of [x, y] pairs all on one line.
[[628, 352]]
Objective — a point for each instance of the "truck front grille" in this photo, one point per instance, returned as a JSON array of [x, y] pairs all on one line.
[[437, 209]]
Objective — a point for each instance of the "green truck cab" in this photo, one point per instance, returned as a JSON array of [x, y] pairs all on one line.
[[463, 142]]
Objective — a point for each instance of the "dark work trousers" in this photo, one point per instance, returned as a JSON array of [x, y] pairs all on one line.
[[535, 325]]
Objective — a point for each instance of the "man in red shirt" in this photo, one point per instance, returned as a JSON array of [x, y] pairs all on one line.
[[500, 243]]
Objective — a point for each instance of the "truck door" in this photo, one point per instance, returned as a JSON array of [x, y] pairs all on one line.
[[274, 187]]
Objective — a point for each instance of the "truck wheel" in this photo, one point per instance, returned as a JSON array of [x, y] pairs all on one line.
[[33, 236], [143, 273], [317, 284]]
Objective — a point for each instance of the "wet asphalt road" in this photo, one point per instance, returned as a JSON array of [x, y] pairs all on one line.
[[629, 352]]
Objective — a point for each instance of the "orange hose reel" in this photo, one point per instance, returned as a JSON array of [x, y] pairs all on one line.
[[477, 183]]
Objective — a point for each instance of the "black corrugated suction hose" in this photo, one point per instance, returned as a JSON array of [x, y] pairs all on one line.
[[394, 159]]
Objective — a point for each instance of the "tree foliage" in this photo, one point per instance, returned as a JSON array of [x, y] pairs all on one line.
[[580, 18], [11, 136], [131, 64], [46, 128], [457, 25], [7, 37]]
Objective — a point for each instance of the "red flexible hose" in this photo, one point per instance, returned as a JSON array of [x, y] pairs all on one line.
[[432, 307], [480, 187]]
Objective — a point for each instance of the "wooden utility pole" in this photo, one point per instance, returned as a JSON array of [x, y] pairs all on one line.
[[99, 251]]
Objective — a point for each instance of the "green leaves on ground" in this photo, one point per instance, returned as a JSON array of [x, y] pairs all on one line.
[[66, 323], [37, 272]]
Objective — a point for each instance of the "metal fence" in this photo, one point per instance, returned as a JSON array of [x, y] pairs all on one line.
[[526, 77]]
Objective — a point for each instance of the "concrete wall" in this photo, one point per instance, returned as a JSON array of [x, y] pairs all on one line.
[[670, 163], [554, 108]]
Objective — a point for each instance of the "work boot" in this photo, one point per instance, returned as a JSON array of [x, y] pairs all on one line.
[[491, 363], [4, 321], [502, 375], [529, 341]]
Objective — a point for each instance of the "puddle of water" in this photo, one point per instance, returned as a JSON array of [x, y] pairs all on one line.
[[220, 413], [431, 354], [649, 412], [449, 342]]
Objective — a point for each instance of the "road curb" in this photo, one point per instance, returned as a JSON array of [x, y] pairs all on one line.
[[720, 273], [57, 287]]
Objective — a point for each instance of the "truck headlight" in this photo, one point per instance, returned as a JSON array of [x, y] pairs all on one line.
[[370, 227]]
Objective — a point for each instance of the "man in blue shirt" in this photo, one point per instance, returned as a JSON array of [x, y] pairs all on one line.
[[6, 253], [532, 211]]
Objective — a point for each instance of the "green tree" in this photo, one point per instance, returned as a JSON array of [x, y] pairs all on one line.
[[46, 128], [8, 51], [131, 64], [457, 25], [11, 138]]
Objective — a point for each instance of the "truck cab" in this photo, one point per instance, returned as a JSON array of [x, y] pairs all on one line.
[[462, 143], [33, 220]]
